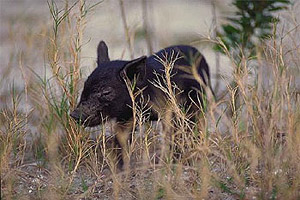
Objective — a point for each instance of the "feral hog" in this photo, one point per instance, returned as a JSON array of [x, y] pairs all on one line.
[[106, 95]]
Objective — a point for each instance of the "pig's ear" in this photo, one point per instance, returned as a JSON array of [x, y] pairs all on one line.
[[135, 69], [102, 53]]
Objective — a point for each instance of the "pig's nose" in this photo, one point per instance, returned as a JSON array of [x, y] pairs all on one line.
[[78, 116], [75, 115]]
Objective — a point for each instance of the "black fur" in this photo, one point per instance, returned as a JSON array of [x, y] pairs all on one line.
[[105, 93]]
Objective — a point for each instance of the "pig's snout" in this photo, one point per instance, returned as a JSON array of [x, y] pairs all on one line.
[[78, 116]]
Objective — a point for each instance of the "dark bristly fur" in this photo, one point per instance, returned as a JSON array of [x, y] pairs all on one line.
[[105, 94]]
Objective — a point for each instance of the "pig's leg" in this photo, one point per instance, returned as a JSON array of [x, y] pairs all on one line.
[[167, 125], [123, 132]]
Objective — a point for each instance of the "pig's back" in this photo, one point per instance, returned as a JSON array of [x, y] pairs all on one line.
[[185, 56], [170, 53]]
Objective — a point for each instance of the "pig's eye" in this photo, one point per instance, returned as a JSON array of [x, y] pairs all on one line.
[[106, 91], [107, 94]]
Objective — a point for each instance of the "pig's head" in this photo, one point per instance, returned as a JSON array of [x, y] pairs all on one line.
[[105, 94]]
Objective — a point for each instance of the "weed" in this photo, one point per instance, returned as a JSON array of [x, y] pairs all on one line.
[[251, 152]]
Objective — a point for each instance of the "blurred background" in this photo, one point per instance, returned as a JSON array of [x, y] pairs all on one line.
[[25, 23], [151, 26]]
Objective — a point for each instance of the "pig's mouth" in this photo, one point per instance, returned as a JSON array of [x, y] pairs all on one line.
[[85, 120], [92, 121]]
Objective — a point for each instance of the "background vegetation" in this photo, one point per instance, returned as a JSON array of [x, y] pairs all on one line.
[[248, 150]]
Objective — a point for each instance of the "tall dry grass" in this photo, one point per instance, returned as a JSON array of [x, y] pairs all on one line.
[[252, 152]]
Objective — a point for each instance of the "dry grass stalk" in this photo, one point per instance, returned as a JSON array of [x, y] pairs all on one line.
[[254, 152]]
